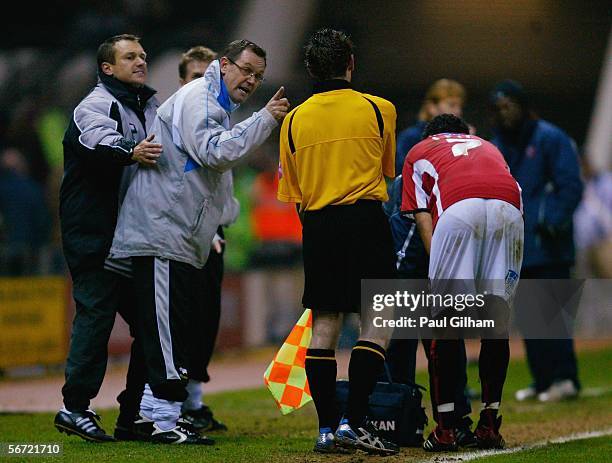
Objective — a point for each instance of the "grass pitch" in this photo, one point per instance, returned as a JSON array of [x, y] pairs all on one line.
[[259, 433]]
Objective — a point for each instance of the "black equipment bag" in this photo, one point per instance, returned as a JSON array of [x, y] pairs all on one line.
[[394, 409]]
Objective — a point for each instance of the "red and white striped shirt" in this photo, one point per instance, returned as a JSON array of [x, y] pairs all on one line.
[[446, 168]]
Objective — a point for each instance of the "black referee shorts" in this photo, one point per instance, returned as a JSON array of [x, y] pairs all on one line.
[[341, 246]]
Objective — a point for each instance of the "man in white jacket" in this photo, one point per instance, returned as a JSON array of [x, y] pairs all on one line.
[[193, 65], [177, 205]]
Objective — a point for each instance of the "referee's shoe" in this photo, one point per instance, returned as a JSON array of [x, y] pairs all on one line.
[[83, 424], [366, 438]]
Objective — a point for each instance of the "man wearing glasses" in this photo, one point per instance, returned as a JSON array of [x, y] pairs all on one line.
[[177, 206]]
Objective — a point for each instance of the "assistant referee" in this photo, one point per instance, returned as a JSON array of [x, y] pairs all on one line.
[[335, 150]]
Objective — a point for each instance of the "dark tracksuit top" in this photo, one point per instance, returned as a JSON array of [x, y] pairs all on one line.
[[543, 160], [98, 145]]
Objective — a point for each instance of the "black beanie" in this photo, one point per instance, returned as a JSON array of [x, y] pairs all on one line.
[[510, 89]]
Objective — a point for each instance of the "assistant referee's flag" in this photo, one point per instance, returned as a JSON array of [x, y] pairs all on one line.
[[286, 374]]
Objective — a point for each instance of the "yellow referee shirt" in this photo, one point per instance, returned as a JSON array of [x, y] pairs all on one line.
[[336, 147]]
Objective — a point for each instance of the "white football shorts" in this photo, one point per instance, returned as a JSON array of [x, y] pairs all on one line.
[[479, 241]]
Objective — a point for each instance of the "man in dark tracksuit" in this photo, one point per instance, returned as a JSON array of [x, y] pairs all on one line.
[[543, 159], [107, 132]]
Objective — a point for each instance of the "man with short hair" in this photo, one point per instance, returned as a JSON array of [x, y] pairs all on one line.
[[444, 96], [194, 62], [335, 150], [467, 208], [544, 160], [171, 213], [107, 133], [193, 65]]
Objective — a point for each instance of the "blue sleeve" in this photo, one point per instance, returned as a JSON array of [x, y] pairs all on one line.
[[566, 193], [400, 151], [405, 141], [395, 197]]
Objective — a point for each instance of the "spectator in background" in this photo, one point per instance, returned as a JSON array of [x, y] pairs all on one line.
[[543, 159], [194, 62], [444, 96], [107, 133], [593, 222], [193, 65], [22, 133], [24, 217]]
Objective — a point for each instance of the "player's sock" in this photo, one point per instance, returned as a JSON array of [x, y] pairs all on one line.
[[366, 365], [444, 360], [166, 413], [194, 395], [446, 415], [492, 366], [321, 370], [147, 403]]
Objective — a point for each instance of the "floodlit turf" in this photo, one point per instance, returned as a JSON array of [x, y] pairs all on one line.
[[259, 433]]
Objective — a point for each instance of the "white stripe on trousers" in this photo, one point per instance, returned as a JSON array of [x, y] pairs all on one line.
[[162, 310]]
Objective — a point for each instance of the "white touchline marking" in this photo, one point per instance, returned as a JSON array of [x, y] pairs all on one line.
[[469, 456], [595, 391]]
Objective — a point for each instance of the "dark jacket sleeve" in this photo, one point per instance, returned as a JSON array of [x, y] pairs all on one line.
[[405, 141], [566, 191]]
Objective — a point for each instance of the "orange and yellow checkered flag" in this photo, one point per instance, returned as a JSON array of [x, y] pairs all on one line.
[[286, 375]]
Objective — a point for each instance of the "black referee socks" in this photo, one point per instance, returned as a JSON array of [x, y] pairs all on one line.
[[321, 370], [366, 365]]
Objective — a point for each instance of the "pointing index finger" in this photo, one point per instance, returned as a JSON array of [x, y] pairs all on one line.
[[279, 94]]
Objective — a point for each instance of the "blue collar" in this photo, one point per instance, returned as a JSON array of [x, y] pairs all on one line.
[[224, 99]]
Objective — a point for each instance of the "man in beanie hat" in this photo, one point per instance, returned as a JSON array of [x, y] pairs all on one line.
[[543, 159]]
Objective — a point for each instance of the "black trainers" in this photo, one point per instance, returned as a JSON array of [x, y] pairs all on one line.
[[365, 438], [463, 433], [179, 435], [139, 429], [326, 443], [441, 440], [83, 424], [202, 419]]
